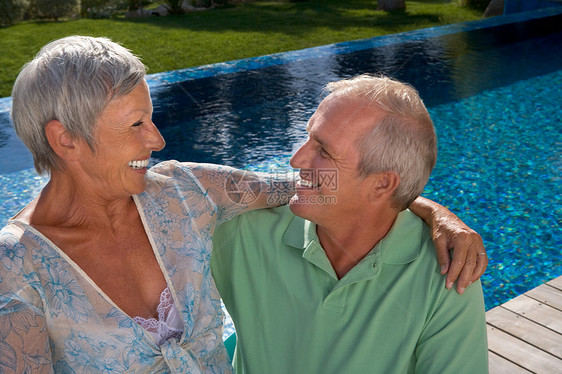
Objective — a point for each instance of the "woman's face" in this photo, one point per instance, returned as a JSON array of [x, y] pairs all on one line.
[[124, 137]]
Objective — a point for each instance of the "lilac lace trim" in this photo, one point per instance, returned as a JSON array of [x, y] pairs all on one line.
[[168, 325]]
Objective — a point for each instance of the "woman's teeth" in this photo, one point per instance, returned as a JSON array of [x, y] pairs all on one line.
[[139, 164], [306, 183]]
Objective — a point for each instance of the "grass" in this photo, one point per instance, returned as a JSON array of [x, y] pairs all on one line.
[[229, 33]]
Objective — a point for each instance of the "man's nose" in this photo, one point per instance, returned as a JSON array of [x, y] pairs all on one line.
[[301, 158]]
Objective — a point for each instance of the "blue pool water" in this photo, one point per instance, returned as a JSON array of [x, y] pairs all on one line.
[[493, 88]]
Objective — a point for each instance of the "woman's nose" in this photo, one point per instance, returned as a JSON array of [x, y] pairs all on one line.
[[154, 140]]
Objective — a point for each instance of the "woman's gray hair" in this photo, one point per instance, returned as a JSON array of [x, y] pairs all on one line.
[[70, 80], [403, 141]]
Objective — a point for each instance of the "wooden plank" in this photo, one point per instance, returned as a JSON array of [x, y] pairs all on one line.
[[536, 311], [525, 334], [531, 332], [556, 283], [499, 365], [547, 295], [521, 353]]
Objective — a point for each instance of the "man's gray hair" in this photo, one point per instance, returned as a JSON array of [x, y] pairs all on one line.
[[403, 141], [70, 80]]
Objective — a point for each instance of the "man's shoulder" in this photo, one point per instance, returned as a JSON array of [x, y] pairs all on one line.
[[260, 219], [276, 213], [237, 242], [409, 240], [409, 226]]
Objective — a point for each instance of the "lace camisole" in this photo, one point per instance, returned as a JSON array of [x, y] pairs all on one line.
[[169, 323]]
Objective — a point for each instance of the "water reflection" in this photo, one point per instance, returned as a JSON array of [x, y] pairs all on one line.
[[250, 116], [235, 119]]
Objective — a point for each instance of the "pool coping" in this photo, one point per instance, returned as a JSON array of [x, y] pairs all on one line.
[[205, 71]]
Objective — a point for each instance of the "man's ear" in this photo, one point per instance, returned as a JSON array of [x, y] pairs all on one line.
[[385, 184], [60, 140]]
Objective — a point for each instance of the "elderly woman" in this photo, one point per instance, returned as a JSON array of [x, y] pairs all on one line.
[[107, 270]]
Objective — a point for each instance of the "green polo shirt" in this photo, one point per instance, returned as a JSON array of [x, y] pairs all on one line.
[[390, 314]]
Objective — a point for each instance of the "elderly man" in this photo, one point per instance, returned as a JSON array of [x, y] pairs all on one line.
[[346, 280]]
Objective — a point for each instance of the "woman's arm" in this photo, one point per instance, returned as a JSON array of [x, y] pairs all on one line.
[[449, 232], [236, 191]]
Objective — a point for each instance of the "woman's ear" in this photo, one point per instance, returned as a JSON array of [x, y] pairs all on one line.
[[60, 140]]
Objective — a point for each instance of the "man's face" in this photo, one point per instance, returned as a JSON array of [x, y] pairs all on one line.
[[330, 188]]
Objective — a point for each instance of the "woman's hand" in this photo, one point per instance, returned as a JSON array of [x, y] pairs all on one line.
[[469, 259]]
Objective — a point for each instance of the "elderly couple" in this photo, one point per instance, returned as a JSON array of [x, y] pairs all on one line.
[[116, 268]]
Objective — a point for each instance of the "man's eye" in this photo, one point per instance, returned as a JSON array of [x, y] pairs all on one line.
[[323, 153], [138, 123]]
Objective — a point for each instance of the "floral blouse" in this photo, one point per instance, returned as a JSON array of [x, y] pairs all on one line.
[[42, 291]]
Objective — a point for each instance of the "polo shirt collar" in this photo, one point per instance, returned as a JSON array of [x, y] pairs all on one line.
[[402, 243], [301, 234], [400, 246]]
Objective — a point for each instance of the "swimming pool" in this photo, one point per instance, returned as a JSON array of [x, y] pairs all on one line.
[[493, 88]]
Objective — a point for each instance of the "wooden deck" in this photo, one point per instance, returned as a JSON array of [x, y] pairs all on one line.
[[525, 334]]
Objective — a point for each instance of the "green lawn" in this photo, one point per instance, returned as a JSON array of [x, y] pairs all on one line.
[[234, 32]]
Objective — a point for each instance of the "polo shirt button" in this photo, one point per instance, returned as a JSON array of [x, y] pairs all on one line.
[[374, 264]]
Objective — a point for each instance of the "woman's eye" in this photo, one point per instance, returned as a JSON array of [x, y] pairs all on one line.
[[323, 153]]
